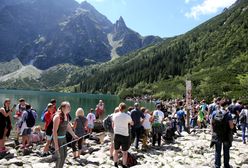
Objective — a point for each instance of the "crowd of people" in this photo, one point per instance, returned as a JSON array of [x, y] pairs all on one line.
[[125, 127]]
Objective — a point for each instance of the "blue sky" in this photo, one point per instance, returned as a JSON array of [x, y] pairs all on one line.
[[165, 18]]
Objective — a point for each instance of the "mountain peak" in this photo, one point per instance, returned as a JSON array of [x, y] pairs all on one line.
[[121, 22], [120, 25], [87, 6]]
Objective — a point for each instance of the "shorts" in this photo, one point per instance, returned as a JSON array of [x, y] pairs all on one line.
[[90, 126], [121, 141], [26, 131], [49, 137]]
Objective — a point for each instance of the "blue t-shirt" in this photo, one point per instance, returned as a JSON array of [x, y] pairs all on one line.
[[180, 114]]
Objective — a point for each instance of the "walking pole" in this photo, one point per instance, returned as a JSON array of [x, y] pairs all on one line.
[[75, 140]]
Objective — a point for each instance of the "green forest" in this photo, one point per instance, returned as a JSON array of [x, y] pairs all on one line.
[[213, 56]]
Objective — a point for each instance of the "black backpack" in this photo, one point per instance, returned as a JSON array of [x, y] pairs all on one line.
[[243, 118], [131, 160], [30, 120], [107, 124], [221, 126]]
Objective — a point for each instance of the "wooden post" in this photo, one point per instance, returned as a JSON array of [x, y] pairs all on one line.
[[188, 103]]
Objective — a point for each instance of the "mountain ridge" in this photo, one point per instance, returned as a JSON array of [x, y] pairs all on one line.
[[51, 32]]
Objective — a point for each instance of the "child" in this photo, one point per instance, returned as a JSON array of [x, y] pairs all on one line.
[[91, 119], [37, 135], [80, 125]]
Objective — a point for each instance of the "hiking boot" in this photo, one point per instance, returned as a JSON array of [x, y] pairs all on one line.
[[116, 164]]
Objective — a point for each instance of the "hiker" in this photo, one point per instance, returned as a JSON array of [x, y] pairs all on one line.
[[27, 122], [212, 108], [60, 126], [53, 102], [91, 119], [130, 108], [107, 124], [54, 109], [222, 125], [100, 109], [193, 119], [181, 119], [121, 134], [5, 124], [137, 128], [20, 108], [48, 127], [238, 109], [157, 125], [243, 118], [147, 127], [80, 126], [202, 110]]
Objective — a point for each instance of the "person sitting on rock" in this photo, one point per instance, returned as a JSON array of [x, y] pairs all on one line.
[[37, 135]]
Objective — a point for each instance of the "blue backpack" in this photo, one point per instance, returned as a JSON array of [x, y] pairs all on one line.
[[42, 117]]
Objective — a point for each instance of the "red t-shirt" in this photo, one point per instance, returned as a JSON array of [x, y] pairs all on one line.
[[48, 118]]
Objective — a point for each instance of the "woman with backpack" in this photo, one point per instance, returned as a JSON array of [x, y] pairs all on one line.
[[29, 117], [5, 124], [60, 126], [80, 126], [243, 118]]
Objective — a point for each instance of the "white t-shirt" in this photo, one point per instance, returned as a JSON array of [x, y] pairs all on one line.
[[91, 118], [158, 116], [121, 121], [147, 124]]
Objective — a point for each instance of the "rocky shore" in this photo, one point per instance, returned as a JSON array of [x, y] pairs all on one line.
[[188, 151]]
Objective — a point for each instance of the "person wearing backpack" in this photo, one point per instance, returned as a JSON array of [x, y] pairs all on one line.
[[54, 109], [107, 124], [222, 125], [243, 118], [29, 117], [121, 122], [181, 119], [48, 117], [80, 126]]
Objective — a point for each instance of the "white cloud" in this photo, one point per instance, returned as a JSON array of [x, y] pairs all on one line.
[[207, 7]]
